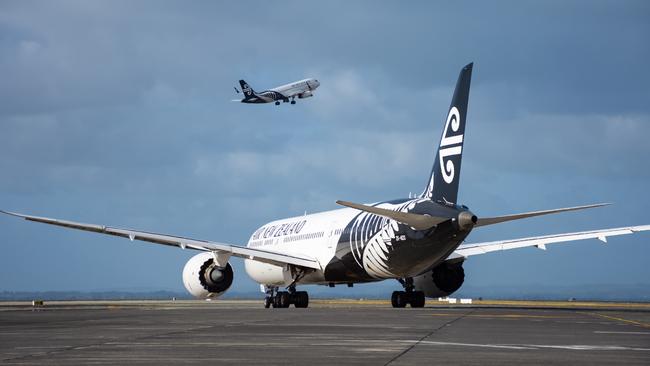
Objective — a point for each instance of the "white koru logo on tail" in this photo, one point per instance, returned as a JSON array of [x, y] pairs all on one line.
[[447, 169]]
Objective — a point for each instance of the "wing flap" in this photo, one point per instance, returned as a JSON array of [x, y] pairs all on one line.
[[467, 250], [260, 255]]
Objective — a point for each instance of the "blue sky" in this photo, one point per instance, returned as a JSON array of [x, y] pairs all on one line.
[[119, 113]]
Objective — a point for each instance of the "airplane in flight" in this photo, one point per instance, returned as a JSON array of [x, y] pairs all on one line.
[[302, 89], [416, 241]]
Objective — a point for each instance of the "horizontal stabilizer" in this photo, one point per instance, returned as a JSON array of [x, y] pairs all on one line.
[[416, 221], [499, 219]]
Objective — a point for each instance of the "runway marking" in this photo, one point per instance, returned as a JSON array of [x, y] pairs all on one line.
[[608, 332], [511, 316], [408, 349], [634, 322], [583, 347], [502, 346], [564, 304], [573, 347]]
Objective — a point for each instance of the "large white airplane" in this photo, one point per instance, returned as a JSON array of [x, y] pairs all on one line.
[[417, 241], [301, 89]]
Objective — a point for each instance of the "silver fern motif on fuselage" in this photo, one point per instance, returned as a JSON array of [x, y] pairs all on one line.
[[372, 237]]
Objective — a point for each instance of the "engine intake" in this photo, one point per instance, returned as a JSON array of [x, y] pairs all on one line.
[[215, 279], [204, 279]]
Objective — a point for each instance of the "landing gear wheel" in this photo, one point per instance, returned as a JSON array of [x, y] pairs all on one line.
[[293, 102], [283, 299], [267, 302], [417, 299], [277, 103], [398, 299], [301, 299]]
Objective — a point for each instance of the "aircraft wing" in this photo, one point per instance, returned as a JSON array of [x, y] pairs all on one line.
[[260, 255], [467, 250]]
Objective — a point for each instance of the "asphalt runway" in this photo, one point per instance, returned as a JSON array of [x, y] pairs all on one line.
[[327, 333]]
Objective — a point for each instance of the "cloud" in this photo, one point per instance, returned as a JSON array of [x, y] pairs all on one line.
[[120, 112]]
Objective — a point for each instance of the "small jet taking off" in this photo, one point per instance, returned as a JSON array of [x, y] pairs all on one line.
[[284, 93], [416, 241]]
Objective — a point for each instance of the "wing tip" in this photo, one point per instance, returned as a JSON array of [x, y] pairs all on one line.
[[11, 213]]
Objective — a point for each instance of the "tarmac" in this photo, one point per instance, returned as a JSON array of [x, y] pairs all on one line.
[[329, 332]]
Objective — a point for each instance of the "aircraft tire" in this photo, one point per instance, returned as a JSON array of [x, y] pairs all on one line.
[[302, 299], [283, 299], [417, 299], [398, 299]]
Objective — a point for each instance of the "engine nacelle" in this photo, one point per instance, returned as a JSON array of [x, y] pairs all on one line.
[[204, 279], [306, 94], [441, 281], [268, 274]]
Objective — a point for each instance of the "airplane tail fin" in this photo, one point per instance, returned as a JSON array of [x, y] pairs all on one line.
[[246, 89], [445, 175]]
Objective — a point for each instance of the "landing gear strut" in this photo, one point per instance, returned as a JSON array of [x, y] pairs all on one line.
[[399, 299], [283, 299]]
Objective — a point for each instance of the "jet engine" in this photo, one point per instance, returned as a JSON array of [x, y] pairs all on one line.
[[203, 278], [442, 280], [306, 94]]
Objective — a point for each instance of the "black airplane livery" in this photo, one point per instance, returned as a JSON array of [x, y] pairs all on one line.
[[416, 241]]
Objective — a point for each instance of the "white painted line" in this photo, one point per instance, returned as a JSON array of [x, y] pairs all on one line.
[[612, 332], [584, 347], [506, 346], [573, 347]]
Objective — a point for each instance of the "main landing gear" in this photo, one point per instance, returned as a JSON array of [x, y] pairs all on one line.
[[277, 102], [283, 299], [399, 299]]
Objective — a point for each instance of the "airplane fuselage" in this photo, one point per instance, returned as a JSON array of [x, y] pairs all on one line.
[[284, 93], [356, 246]]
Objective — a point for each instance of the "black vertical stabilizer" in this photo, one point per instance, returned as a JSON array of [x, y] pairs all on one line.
[[246, 89], [445, 175]]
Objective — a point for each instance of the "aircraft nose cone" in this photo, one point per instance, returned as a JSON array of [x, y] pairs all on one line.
[[466, 220]]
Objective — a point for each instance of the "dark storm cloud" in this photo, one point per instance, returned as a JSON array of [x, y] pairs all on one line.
[[120, 113]]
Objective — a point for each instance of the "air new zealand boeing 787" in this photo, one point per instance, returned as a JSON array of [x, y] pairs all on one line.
[[416, 241]]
